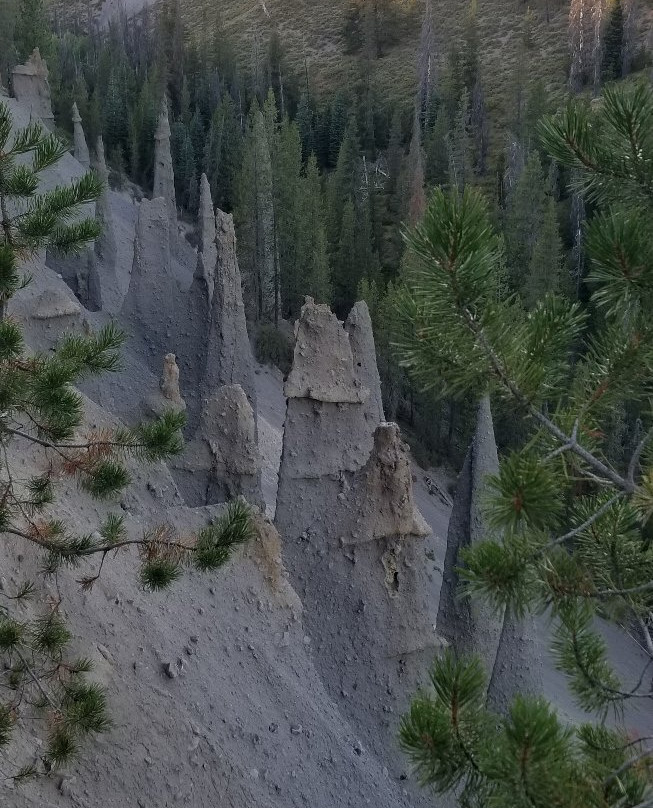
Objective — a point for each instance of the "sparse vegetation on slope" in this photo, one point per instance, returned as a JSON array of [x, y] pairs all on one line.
[[42, 412]]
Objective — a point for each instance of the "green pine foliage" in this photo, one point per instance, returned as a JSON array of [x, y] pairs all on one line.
[[613, 44], [526, 759], [571, 521], [544, 268], [42, 411], [313, 272], [32, 29]]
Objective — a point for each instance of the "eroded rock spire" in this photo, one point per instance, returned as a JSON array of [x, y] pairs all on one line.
[[222, 461], [168, 396], [153, 298], [509, 647], [469, 625], [81, 148], [31, 87], [361, 339], [229, 358], [164, 178], [105, 245], [354, 540], [206, 250]]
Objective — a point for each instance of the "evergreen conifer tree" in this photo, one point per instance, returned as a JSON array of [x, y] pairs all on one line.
[[345, 269], [286, 170], [436, 149], [459, 147], [570, 522], [613, 43], [32, 29], [343, 183], [523, 219], [305, 124], [255, 217], [543, 275], [312, 268]]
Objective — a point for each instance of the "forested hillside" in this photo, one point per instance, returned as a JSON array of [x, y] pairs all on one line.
[[323, 127]]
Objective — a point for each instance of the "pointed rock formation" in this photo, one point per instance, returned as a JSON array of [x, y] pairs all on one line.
[[81, 148], [206, 250], [193, 346], [229, 358], [518, 668], [353, 538], [323, 364], [508, 647], [106, 249], [385, 504], [164, 178], [361, 339], [55, 312], [385, 539], [152, 300], [31, 87], [326, 432], [169, 384], [168, 396], [470, 625], [223, 460]]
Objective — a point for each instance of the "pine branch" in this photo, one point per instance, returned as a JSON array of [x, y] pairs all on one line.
[[566, 440], [581, 528], [645, 753], [637, 454]]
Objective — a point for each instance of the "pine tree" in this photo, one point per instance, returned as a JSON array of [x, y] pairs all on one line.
[[32, 29], [478, 125], [114, 128], [255, 216], [417, 198], [436, 149], [312, 268], [543, 274], [223, 153], [613, 44], [305, 123], [537, 104], [42, 683], [343, 184], [346, 273], [523, 218], [452, 84], [570, 521], [459, 146], [286, 170], [338, 120]]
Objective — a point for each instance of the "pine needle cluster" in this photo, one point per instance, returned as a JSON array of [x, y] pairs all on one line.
[[42, 413], [573, 523]]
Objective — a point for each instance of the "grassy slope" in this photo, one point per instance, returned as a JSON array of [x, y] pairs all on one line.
[[314, 29], [311, 31]]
